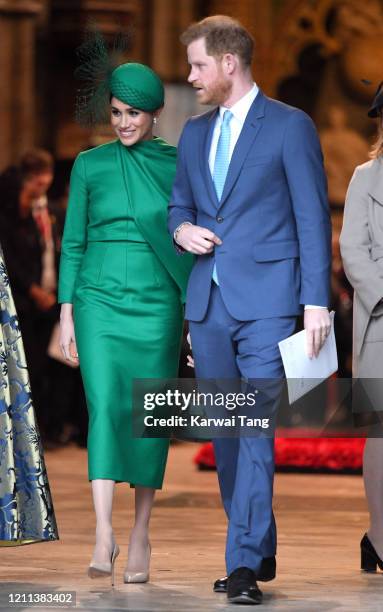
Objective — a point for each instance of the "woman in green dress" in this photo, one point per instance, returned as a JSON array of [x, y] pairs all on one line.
[[121, 288]]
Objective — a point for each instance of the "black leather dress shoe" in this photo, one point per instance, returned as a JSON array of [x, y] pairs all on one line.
[[242, 587], [265, 574]]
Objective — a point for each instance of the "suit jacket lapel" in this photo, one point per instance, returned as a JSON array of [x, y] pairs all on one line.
[[204, 156], [246, 138]]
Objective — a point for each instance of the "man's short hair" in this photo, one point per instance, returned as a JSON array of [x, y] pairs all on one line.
[[36, 161], [222, 35]]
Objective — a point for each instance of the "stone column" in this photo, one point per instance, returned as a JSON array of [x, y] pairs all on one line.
[[17, 69], [187, 14], [168, 19], [163, 25]]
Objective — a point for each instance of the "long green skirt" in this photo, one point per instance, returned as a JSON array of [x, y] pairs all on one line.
[[128, 324]]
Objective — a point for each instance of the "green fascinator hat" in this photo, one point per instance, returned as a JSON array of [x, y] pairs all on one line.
[[103, 75], [137, 85]]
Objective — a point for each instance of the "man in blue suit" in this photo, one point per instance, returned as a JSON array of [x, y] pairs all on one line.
[[249, 199]]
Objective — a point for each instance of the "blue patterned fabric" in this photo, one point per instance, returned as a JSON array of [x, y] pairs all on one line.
[[26, 509], [221, 164]]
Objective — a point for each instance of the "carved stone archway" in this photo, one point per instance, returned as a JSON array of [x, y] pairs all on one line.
[[348, 31], [342, 40]]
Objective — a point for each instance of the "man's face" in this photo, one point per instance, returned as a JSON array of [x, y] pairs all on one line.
[[37, 185], [206, 75]]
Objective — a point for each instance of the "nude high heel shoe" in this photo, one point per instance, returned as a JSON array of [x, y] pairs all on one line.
[[101, 570], [140, 576]]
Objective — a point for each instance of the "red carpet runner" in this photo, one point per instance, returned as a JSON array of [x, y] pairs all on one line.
[[328, 455]]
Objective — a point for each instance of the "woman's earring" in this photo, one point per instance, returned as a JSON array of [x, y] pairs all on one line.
[[154, 120]]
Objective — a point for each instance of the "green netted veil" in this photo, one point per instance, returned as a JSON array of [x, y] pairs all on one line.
[[102, 76]]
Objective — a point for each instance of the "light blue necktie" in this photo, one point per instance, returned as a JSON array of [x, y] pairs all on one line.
[[221, 164]]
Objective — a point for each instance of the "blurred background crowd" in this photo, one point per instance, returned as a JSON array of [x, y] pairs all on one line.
[[322, 56]]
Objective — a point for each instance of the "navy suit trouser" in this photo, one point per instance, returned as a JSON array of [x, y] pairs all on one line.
[[224, 347]]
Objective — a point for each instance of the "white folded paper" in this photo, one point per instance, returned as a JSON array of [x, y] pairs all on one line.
[[303, 373]]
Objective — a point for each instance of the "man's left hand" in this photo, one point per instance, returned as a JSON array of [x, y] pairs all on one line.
[[317, 324]]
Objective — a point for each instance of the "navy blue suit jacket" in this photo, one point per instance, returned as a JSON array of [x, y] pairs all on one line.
[[273, 217]]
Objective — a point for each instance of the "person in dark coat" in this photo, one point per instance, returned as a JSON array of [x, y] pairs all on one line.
[[28, 243]]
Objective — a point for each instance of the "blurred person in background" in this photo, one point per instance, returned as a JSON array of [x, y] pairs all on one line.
[[361, 243], [70, 418], [27, 236], [37, 173]]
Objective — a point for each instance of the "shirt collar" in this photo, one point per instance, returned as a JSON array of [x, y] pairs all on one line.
[[242, 107]]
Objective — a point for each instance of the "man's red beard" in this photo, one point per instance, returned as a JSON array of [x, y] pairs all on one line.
[[217, 93]]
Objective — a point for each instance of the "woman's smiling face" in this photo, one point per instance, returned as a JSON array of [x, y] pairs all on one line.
[[131, 124]]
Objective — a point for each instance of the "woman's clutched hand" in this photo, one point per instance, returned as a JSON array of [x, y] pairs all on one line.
[[67, 336]]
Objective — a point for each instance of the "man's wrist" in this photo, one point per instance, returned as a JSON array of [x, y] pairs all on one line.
[[178, 229], [312, 307]]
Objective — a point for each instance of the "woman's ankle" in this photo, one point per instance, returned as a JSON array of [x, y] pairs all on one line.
[[104, 532], [141, 532]]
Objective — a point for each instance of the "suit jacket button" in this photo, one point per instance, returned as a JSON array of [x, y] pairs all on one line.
[[219, 219]]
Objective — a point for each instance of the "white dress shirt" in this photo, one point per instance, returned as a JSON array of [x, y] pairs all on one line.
[[239, 110]]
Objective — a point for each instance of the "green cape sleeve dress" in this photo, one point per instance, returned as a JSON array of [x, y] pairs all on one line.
[[127, 284]]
